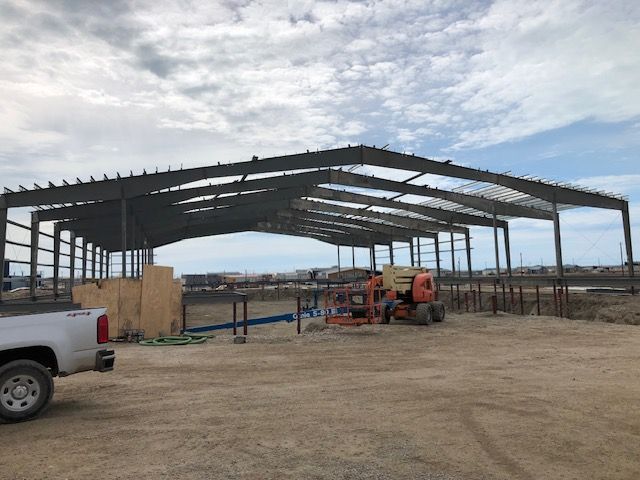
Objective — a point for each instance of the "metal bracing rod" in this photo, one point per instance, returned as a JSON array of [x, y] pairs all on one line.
[[626, 224], [497, 247], [56, 260], [558, 241], [123, 234], [507, 247], [467, 241], [35, 237], [436, 245]]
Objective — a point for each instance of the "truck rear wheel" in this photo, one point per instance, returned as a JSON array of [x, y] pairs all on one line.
[[424, 313], [438, 311], [26, 387]]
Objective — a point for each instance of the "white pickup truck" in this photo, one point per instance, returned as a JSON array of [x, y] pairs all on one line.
[[36, 348]]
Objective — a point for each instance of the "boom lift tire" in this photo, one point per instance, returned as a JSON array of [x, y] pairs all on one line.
[[386, 315], [424, 313], [438, 311]]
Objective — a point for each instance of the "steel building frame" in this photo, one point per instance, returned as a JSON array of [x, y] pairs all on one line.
[[135, 214]]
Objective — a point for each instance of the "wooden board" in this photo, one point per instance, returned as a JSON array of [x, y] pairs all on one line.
[[157, 313]]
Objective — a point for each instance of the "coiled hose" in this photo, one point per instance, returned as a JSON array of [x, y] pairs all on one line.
[[185, 339]]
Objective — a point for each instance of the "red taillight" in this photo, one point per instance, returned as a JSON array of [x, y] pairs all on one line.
[[103, 329]]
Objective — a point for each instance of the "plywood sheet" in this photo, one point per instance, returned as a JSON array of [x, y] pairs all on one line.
[[157, 314]]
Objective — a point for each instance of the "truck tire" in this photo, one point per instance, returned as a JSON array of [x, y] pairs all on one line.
[[424, 313], [26, 387], [438, 311]]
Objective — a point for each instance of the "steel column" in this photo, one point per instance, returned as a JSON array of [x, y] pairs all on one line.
[[56, 260], [133, 246], [411, 252], [507, 247], [107, 264], [353, 260], [391, 253], [558, 241], [626, 223], [3, 242], [339, 270], [453, 256], [101, 259], [123, 234], [467, 242], [436, 244], [419, 255], [72, 259], [84, 259], [373, 257], [35, 237], [495, 241], [94, 248]]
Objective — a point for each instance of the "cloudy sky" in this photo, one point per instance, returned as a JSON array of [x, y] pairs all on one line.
[[547, 88]]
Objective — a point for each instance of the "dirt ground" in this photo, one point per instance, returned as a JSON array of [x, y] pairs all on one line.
[[476, 397]]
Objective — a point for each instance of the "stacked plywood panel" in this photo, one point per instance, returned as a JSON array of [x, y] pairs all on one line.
[[152, 304]]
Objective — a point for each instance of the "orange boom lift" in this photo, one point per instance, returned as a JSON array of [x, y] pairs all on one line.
[[400, 292]]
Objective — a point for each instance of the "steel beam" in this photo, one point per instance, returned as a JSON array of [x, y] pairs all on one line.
[[391, 253], [35, 237], [128, 187], [445, 216], [341, 177], [544, 191]]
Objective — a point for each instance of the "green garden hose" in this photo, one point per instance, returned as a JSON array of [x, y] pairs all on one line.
[[186, 339]]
